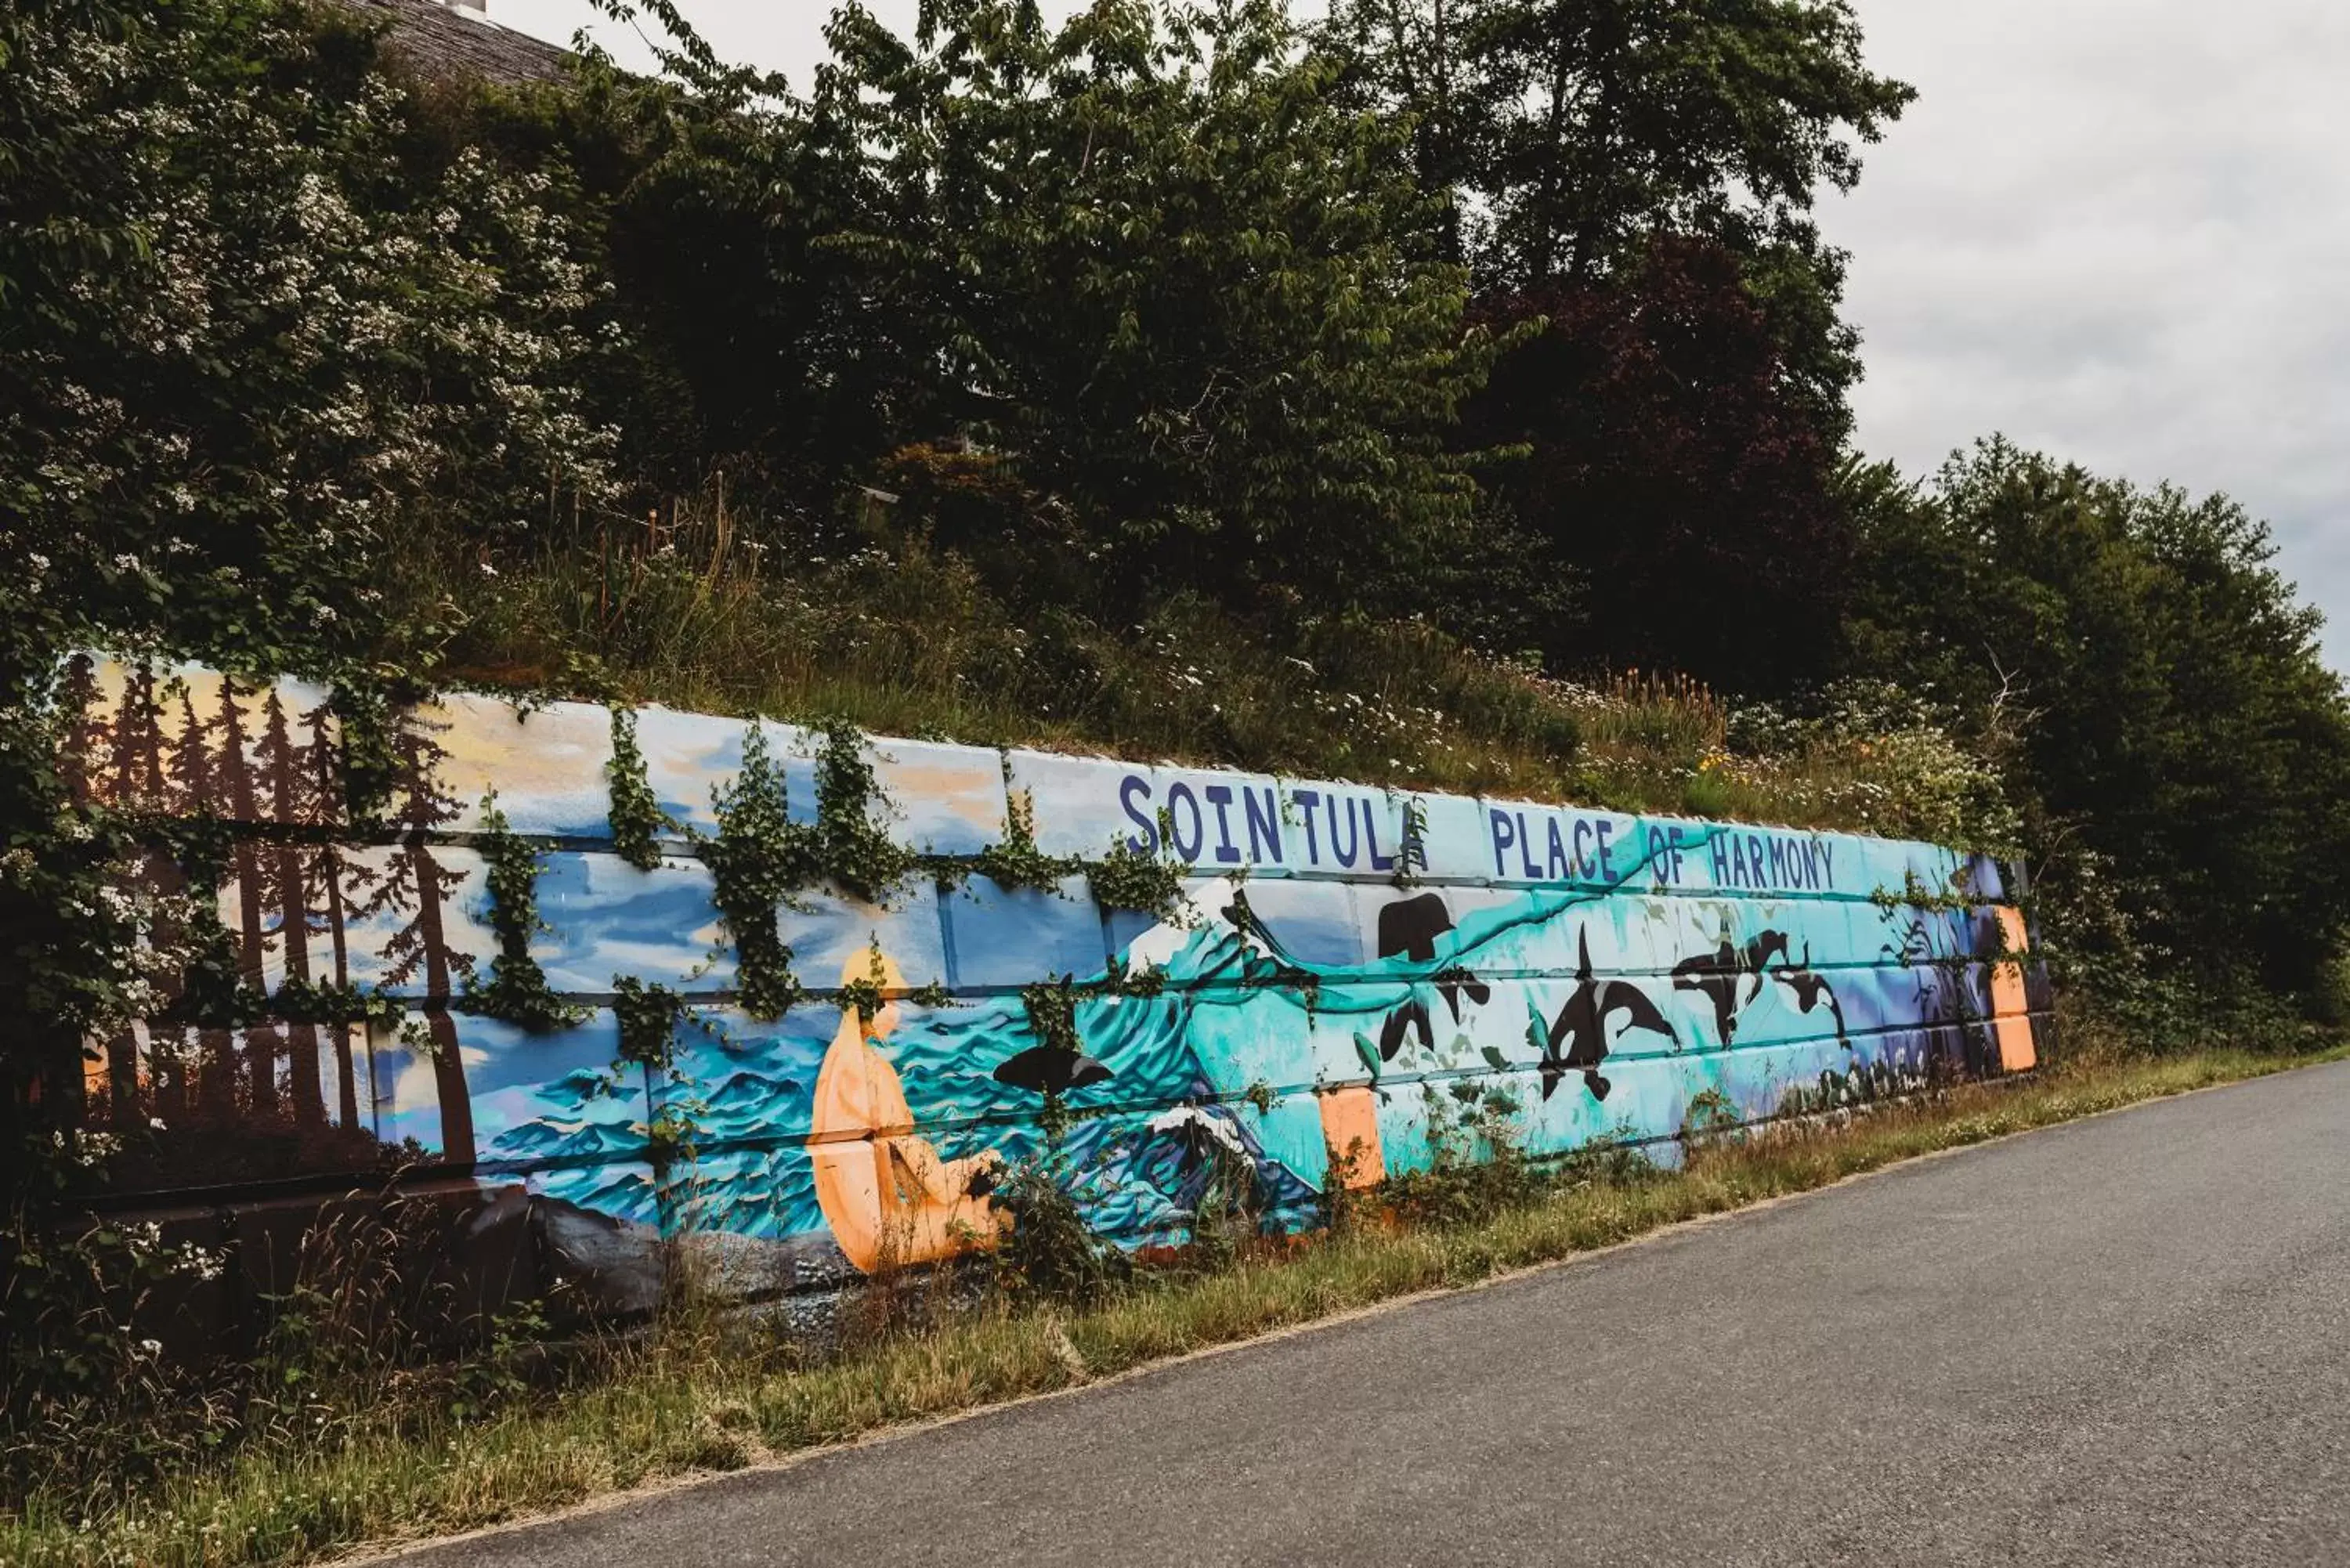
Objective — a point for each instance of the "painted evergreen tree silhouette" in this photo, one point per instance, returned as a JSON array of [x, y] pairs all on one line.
[[81, 752], [415, 880], [234, 777], [135, 757], [289, 886], [333, 876], [194, 796], [81, 758]]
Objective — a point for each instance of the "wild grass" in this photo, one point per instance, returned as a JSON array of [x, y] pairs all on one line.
[[711, 1391], [902, 637]]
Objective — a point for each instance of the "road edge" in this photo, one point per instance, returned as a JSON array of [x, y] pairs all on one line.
[[395, 1551]]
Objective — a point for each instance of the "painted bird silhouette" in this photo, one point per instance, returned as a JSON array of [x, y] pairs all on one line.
[[1582, 1023], [1408, 928]]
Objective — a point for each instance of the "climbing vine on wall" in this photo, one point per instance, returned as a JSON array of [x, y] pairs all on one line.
[[636, 815], [1052, 1008], [1411, 857], [1136, 879], [210, 990], [1016, 862], [366, 708], [648, 1014], [865, 993], [516, 991], [854, 849], [757, 860]]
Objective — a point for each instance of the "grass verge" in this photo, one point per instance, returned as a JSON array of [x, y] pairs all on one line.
[[712, 1393]]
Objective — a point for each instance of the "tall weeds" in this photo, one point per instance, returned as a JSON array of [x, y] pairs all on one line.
[[897, 635]]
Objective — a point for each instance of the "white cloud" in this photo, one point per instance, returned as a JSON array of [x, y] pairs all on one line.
[[2120, 233]]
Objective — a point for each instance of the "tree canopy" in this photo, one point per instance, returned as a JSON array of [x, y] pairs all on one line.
[[2177, 732]]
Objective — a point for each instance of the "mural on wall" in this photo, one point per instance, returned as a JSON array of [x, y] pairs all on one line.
[[1347, 974]]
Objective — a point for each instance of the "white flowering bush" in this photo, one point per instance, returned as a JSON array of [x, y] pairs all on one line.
[[251, 332]]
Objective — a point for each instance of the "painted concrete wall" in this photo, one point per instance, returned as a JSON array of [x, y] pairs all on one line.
[[1353, 967]]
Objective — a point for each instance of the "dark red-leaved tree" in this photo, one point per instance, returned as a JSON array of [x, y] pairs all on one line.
[[1674, 466]]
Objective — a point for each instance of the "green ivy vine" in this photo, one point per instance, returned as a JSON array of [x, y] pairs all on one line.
[[1411, 857], [648, 1014], [757, 860], [852, 848], [1136, 879], [366, 706], [516, 991], [1016, 862], [636, 815], [1052, 1008], [866, 995], [212, 991]]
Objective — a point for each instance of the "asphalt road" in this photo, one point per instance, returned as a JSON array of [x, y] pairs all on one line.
[[2122, 1341]]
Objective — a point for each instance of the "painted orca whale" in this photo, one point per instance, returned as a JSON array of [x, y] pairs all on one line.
[[1409, 928], [1716, 975], [1051, 1070], [1811, 988], [1582, 1023], [1758, 955]]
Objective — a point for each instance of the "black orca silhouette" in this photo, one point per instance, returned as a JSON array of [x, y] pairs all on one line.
[[1715, 974], [1810, 988], [1452, 982], [1758, 957], [1409, 928], [1412, 1014], [1583, 1024], [1051, 1070]]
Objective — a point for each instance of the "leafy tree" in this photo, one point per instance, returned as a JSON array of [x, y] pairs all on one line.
[[1436, 61], [1171, 283], [2173, 727], [738, 332], [1568, 132], [245, 339]]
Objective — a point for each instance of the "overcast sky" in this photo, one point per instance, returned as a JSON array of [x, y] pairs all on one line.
[[2120, 233]]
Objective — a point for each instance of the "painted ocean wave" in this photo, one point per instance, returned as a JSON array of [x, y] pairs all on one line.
[[1240, 1015]]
